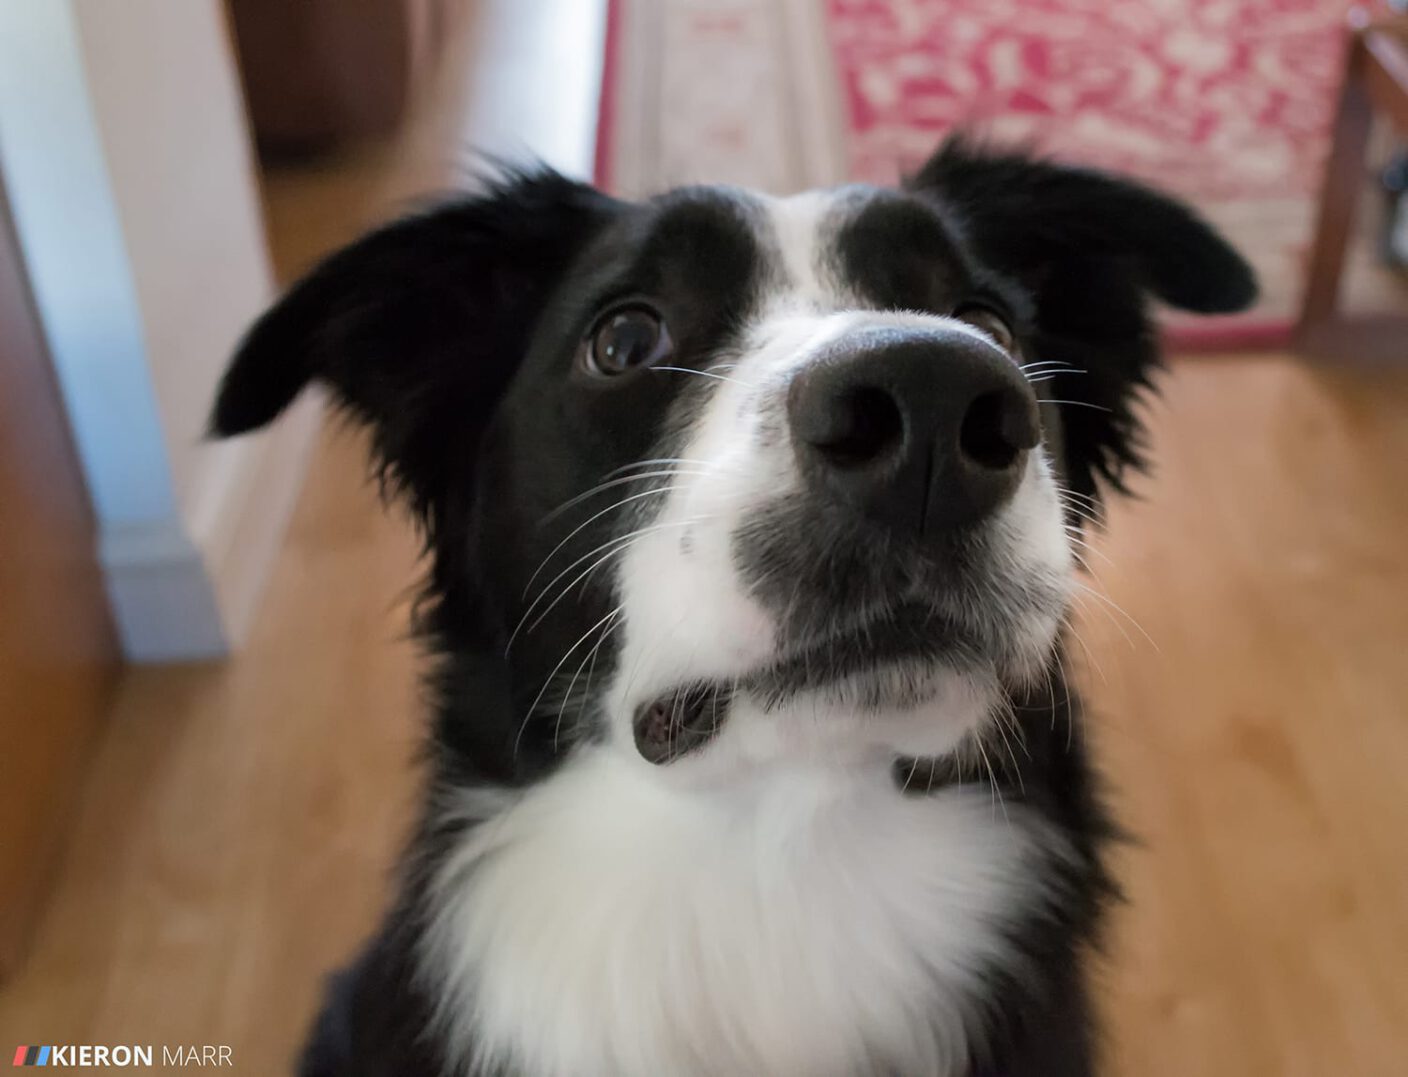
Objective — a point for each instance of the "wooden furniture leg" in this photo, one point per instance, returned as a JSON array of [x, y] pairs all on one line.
[[1375, 84], [1339, 195]]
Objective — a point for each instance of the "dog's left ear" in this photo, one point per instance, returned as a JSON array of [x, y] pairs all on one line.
[[1092, 248], [418, 327]]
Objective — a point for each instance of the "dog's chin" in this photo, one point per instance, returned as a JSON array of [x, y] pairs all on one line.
[[911, 683]]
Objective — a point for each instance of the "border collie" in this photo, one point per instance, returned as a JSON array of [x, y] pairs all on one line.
[[750, 528]]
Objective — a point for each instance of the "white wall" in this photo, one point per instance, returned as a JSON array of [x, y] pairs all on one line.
[[533, 81], [170, 119], [128, 164], [76, 254], [125, 153]]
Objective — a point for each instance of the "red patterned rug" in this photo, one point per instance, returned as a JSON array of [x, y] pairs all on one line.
[[1226, 102]]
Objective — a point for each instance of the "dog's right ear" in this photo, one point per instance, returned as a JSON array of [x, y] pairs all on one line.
[[418, 327]]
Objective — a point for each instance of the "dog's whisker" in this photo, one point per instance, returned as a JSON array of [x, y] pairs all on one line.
[[619, 545], [1078, 404], [1051, 375], [1112, 604], [1002, 718], [1089, 498], [669, 474], [995, 792], [1082, 563], [703, 465], [1081, 601], [1066, 685], [532, 708], [1084, 518], [1090, 657], [699, 373], [1036, 363], [547, 588], [1036, 373], [1091, 511], [1050, 675], [1084, 521], [591, 670], [612, 625], [1005, 721], [646, 531], [651, 649], [1093, 517], [549, 585], [587, 523], [1073, 536], [1089, 508], [1107, 605]]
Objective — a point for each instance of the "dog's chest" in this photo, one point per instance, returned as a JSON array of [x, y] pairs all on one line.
[[823, 924]]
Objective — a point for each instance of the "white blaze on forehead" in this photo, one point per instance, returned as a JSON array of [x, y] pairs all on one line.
[[798, 229], [805, 228]]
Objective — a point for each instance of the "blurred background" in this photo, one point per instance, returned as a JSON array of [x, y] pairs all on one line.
[[208, 707]]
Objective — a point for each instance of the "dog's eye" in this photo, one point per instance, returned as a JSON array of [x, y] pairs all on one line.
[[626, 338], [990, 322]]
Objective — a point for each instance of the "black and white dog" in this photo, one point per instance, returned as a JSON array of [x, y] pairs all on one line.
[[749, 523]]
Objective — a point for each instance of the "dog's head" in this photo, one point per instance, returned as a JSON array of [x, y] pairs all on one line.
[[722, 479]]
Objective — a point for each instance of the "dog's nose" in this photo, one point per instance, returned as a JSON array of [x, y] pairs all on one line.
[[919, 432]]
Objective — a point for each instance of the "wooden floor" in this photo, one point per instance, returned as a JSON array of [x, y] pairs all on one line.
[[1260, 750], [240, 819]]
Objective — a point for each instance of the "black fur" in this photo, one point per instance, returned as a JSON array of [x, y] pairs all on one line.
[[453, 336]]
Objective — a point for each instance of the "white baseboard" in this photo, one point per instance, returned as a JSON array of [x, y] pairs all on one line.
[[188, 590], [161, 596]]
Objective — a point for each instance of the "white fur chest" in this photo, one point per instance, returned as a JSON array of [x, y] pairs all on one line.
[[609, 924]]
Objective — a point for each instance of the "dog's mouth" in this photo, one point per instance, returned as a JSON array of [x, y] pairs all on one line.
[[869, 656], [885, 661]]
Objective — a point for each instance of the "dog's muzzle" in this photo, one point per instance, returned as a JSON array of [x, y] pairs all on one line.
[[921, 433]]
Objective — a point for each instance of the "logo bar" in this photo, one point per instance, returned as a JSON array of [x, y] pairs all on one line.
[[122, 1055]]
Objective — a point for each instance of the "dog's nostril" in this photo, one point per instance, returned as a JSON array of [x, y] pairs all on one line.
[[995, 428], [920, 433], [864, 424]]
